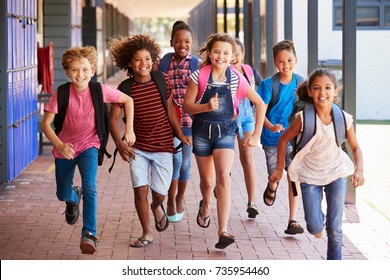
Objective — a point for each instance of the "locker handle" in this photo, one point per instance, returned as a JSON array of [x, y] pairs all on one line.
[[15, 125]]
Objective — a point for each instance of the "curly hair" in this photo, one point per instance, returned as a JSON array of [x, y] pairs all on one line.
[[211, 40], [124, 49], [88, 52]]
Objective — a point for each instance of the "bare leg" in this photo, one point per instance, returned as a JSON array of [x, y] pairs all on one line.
[[248, 166], [223, 162], [171, 203], [207, 177], [181, 189], [142, 206]]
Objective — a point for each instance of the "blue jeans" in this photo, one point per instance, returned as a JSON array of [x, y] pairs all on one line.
[[87, 163], [315, 219], [182, 159]]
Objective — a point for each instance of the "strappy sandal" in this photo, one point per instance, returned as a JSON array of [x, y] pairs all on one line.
[[225, 239], [293, 228], [203, 218], [267, 195]]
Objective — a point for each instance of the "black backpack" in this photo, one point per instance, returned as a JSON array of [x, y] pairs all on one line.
[[159, 80], [102, 115]]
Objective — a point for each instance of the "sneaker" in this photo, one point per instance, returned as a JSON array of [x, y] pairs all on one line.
[[88, 243], [72, 212], [252, 210]]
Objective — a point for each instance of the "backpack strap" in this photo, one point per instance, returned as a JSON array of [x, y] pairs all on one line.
[[159, 80], [101, 118], [276, 88], [164, 62], [309, 126], [203, 77], [63, 93], [194, 63], [339, 124], [248, 71]]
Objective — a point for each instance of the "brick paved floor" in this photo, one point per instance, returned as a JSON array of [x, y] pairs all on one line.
[[32, 225]]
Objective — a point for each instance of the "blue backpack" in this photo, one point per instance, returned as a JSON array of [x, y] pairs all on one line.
[[276, 89], [164, 62]]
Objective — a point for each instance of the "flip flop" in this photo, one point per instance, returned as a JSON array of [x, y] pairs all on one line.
[[158, 224], [267, 192], [225, 239], [204, 219], [142, 243]]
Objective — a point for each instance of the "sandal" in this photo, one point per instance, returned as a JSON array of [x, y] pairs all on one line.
[[141, 243], [293, 228], [203, 218], [252, 210], [225, 239], [158, 224], [267, 194]]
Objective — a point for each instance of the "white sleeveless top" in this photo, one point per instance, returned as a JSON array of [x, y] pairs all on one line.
[[321, 161]]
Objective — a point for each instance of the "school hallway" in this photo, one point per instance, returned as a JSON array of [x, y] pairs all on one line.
[[33, 227]]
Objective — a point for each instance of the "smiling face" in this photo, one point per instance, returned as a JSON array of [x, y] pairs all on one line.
[[80, 72], [221, 54], [142, 64], [323, 91], [182, 42], [285, 61], [238, 57]]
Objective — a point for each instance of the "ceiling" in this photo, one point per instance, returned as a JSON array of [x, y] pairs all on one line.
[[155, 8]]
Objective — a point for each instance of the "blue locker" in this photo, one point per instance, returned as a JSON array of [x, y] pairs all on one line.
[[10, 118], [9, 43]]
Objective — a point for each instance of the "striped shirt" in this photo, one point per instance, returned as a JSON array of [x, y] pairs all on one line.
[[151, 126], [179, 77]]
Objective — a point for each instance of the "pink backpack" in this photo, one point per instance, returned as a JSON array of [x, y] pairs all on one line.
[[204, 74]]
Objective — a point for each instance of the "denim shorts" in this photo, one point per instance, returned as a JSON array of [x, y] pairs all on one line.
[[182, 159], [245, 120], [209, 135], [271, 153], [158, 165]]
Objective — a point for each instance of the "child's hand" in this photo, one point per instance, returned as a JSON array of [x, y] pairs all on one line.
[[126, 151], [129, 138], [214, 103], [187, 140], [252, 141], [277, 128], [66, 150], [357, 178], [276, 176]]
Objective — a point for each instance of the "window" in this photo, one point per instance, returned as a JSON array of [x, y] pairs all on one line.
[[370, 14]]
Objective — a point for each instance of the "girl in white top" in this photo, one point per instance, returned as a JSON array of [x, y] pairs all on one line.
[[322, 165]]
